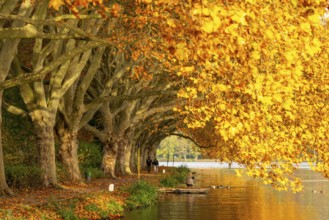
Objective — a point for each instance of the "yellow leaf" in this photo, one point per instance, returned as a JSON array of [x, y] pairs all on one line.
[[224, 135], [286, 106], [294, 2], [314, 19], [290, 56], [239, 126], [232, 29], [277, 98], [219, 88], [266, 100], [171, 23], [233, 131], [317, 44], [238, 173], [203, 75], [211, 25], [182, 94], [222, 107], [201, 88], [187, 69], [55, 4], [255, 55], [306, 27], [269, 34], [239, 17], [182, 51]]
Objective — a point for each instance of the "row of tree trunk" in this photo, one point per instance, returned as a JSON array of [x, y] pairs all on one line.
[[71, 79]]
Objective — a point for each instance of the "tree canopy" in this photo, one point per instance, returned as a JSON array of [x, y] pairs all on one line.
[[257, 73], [250, 76]]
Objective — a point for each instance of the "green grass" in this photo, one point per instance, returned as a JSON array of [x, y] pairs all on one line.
[[142, 194], [112, 208], [177, 176], [65, 211]]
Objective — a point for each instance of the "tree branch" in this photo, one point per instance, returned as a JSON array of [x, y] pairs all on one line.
[[13, 109], [100, 135], [29, 32], [191, 139], [53, 22], [20, 80], [128, 97]]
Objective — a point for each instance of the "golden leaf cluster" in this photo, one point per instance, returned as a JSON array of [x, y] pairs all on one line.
[[259, 77], [255, 77]]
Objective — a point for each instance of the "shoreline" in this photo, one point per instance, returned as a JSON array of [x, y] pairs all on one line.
[[46, 203], [211, 164]]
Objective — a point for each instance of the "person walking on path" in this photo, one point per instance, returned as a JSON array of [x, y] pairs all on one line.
[[148, 164], [156, 165]]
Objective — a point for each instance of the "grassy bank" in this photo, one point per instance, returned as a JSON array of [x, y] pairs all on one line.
[[90, 201]]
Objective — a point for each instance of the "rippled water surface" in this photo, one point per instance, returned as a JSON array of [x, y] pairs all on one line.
[[247, 199]]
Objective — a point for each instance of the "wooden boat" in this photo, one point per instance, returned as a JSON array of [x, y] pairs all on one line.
[[184, 190]]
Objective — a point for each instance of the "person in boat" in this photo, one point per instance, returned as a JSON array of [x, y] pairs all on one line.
[[189, 180]]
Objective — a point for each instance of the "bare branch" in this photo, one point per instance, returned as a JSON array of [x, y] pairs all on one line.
[[20, 80], [54, 22], [14, 110], [128, 97], [29, 31], [191, 139]]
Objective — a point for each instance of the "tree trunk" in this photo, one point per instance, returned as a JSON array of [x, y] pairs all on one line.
[[144, 154], [127, 157], [153, 152], [45, 139], [69, 153], [123, 157], [128, 153], [7, 53], [133, 159], [109, 159], [119, 167], [4, 189], [123, 160]]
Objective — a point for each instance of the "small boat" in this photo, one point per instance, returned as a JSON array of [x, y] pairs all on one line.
[[185, 190]]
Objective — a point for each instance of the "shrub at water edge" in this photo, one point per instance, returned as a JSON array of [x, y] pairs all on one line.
[[176, 177], [142, 194]]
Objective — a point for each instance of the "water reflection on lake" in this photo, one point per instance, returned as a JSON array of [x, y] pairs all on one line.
[[247, 199]]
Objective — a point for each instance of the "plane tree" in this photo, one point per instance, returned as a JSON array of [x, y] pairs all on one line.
[[7, 54], [256, 74], [253, 71], [136, 100], [60, 48]]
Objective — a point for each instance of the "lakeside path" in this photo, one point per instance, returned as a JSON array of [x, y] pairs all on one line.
[[40, 203]]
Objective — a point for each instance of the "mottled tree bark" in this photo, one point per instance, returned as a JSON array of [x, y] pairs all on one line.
[[119, 168], [123, 160], [109, 159], [45, 139], [127, 155], [133, 159], [69, 153], [7, 53], [127, 161], [4, 189]]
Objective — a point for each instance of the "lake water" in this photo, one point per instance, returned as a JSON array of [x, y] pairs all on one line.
[[247, 199]]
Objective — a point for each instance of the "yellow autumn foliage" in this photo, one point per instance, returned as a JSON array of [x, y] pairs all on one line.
[[264, 73], [255, 80]]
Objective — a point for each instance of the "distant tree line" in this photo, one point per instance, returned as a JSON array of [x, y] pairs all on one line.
[[178, 147]]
